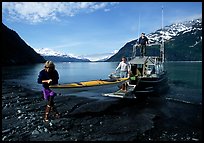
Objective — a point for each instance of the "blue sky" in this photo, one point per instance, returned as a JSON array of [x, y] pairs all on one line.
[[91, 29]]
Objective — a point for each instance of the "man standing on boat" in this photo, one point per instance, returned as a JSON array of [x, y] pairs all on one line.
[[143, 42]]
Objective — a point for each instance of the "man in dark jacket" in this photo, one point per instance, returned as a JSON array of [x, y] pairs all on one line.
[[46, 77], [143, 41]]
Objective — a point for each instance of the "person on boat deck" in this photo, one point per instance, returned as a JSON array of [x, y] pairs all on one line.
[[46, 77], [124, 71], [143, 42], [138, 73], [135, 75]]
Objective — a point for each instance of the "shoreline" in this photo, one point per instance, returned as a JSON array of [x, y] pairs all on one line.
[[85, 119]]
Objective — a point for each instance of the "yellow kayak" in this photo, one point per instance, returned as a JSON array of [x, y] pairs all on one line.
[[87, 85]]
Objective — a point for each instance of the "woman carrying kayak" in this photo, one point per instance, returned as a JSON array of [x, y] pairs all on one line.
[[48, 76]]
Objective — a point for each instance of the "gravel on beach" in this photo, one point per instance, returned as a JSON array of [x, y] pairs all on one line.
[[85, 119]]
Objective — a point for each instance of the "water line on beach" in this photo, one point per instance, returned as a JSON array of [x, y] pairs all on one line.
[[182, 101]]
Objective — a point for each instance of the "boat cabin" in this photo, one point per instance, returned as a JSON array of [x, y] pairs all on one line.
[[143, 67]]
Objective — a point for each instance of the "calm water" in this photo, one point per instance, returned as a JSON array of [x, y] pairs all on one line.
[[185, 78]]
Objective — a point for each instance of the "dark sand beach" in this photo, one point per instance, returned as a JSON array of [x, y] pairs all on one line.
[[85, 119]]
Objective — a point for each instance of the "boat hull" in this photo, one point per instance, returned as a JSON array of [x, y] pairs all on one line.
[[152, 86]]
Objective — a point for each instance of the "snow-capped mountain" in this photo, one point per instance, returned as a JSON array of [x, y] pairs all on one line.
[[168, 32], [50, 52], [183, 38], [55, 56], [46, 52], [99, 57]]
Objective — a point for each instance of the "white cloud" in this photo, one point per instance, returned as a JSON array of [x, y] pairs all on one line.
[[98, 6], [35, 12], [106, 10]]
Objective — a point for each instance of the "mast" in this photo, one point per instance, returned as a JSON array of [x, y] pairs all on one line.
[[162, 42], [138, 34]]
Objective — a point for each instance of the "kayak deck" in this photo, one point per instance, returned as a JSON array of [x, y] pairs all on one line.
[[90, 83]]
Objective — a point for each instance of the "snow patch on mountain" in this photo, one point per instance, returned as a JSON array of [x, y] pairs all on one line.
[[168, 32], [93, 57], [50, 52], [99, 57]]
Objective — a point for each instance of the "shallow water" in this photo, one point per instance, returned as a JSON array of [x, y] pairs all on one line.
[[185, 78]]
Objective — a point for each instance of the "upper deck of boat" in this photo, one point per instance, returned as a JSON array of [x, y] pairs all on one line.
[[148, 60]]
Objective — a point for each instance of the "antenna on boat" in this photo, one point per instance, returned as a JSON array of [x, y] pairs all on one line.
[[162, 42], [138, 34], [137, 41]]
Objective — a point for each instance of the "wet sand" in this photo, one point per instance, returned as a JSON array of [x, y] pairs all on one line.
[[85, 119]]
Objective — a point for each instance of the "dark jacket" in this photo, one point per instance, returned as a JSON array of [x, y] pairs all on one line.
[[143, 41], [43, 75]]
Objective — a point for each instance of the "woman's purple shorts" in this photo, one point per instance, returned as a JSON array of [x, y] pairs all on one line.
[[47, 93]]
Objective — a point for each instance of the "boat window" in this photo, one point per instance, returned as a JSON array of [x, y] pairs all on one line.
[[139, 66], [157, 69], [148, 71], [133, 69], [136, 69], [162, 68], [151, 69]]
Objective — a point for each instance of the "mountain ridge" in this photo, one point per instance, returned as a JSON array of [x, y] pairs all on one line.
[[185, 36], [55, 56], [16, 51]]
